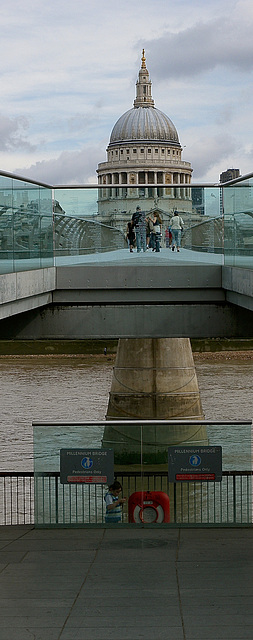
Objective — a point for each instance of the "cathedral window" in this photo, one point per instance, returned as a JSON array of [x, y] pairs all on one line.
[[134, 150], [142, 150], [162, 150], [149, 150], [156, 150]]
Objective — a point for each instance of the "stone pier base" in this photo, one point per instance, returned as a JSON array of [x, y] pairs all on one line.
[[153, 379]]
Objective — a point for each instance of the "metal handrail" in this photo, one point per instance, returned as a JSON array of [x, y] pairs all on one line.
[[232, 504], [111, 186]]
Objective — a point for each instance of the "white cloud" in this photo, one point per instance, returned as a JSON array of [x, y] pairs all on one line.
[[207, 153], [202, 48], [13, 134], [70, 167]]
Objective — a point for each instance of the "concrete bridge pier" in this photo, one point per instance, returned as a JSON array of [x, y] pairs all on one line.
[[153, 379]]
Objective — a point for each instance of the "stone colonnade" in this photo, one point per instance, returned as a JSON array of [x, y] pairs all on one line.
[[162, 184]]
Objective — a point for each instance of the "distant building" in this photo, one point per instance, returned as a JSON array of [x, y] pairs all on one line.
[[144, 148], [230, 174], [226, 176], [198, 200]]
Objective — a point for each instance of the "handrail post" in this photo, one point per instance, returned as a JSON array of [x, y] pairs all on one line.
[[234, 497], [56, 500], [175, 502]]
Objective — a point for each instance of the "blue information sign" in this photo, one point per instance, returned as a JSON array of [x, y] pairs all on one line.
[[89, 466], [189, 463]]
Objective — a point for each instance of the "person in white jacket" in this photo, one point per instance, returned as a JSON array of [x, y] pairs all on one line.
[[177, 225]]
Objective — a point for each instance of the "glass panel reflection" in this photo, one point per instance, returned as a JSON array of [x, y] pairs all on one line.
[[26, 226], [75, 495], [78, 225], [238, 224]]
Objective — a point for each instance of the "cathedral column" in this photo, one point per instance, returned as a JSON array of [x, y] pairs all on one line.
[[182, 190], [146, 182], [155, 182], [178, 190], [188, 180], [120, 189]]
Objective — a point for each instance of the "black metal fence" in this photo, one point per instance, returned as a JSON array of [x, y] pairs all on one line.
[[191, 503], [16, 498]]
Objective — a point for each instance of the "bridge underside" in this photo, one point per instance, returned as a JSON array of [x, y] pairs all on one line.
[[94, 301], [135, 321]]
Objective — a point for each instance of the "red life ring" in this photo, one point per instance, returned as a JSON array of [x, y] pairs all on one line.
[[149, 507]]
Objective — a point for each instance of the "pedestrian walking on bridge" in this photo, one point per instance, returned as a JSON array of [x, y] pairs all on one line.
[[139, 223], [177, 225]]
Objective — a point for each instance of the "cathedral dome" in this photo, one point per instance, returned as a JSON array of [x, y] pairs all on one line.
[[146, 124]]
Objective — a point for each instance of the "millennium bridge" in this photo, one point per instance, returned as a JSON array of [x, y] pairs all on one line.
[[66, 274]]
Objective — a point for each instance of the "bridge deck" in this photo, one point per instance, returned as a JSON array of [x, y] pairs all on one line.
[[123, 294], [185, 256]]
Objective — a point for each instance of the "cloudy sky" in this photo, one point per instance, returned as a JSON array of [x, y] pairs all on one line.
[[68, 72]]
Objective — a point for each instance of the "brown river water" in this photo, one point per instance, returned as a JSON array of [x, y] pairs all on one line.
[[76, 388]]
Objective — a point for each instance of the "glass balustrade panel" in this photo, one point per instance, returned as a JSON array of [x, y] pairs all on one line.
[[238, 224], [167, 476]]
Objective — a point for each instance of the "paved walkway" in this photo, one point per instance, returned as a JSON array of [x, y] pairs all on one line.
[[165, 256], [126, 583]]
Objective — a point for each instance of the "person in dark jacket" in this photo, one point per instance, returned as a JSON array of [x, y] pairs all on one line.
[[130, 235], [139, 222]]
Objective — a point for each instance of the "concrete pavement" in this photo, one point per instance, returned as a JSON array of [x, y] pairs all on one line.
[[126, 584], [165, 256]]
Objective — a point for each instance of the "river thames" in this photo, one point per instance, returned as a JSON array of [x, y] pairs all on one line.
[[76, 388]]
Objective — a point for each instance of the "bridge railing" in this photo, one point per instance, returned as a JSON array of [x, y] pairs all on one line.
[[16, 498], [238, 223], [138, 453], [26, 225], [191, 504], [42, 225]]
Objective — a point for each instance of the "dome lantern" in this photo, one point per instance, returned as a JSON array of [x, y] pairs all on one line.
[[143, 87]]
